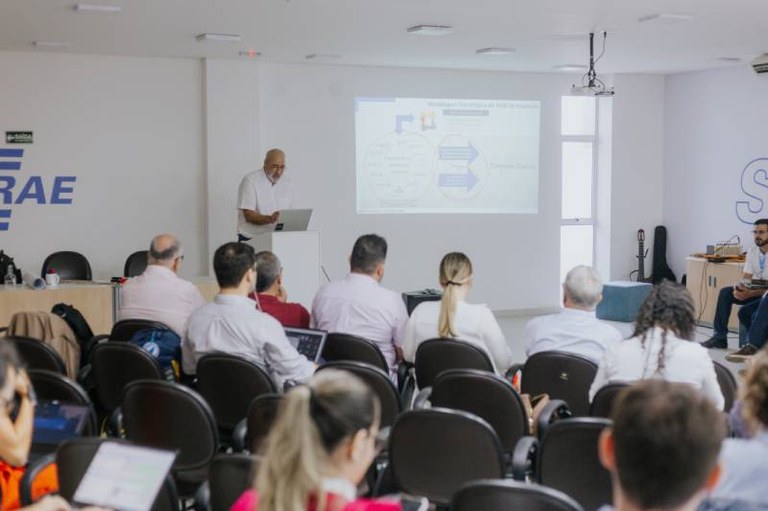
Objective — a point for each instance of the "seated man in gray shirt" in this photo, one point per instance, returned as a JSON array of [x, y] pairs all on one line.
[[231, 323]]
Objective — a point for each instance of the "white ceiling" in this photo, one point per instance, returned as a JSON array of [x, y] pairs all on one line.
[[546, 33]]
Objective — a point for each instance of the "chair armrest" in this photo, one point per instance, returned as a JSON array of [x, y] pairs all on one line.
[[202, 497], [238, 436], [524, 457], [555, 410], [115, 423], [408, 389], [30, 473], [3, 328], [422, 398]]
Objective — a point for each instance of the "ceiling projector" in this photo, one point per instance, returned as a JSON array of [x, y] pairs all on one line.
[[760, 64], [591, 85]]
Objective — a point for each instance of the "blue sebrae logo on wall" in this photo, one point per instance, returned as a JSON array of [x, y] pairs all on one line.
[[754, 188], [15, 189]]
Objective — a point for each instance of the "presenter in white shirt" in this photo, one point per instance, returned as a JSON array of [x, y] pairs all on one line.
[[661, 347], [261, 196], [455, 318], [576, 329]]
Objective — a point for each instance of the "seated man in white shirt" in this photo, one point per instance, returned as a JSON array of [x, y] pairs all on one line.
[[231, 323], [575, 329], [359, 305], [159, 294], [662, 448]]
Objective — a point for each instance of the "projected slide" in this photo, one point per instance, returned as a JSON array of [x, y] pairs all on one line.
[[418, 155]]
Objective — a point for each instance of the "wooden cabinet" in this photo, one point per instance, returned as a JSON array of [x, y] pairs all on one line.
[[705, 280]]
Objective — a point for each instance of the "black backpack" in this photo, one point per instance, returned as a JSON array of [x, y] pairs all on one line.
[[75, 320]]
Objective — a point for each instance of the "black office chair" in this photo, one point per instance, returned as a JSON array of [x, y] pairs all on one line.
[[51, 386], [486, 395], [602, 403], [115, 365], [504, 495], [566, 459], [74, 456], [432, 452], [38, 355], [136, 263], [69, 265], [229, 477], [251, 432], [379, 381], [125, 329], [173, 417], [339, 346], [561, 375], [230, 384], [440, 354], [727, 384]]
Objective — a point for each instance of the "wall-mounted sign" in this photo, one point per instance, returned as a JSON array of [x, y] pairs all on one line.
[[18, 137]]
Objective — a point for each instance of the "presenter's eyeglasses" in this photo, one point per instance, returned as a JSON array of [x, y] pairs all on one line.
[[759, 232], [275, 166]]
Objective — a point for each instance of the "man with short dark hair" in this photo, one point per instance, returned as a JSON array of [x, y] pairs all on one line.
[[749, 299], [272, 296], [359, 305], [159, 294], [663, 447], [232, 324]]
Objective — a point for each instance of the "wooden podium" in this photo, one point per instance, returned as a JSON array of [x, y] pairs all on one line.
[[705, 280], [299, 254]]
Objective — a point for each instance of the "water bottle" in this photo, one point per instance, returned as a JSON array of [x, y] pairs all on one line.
[[10, 277]]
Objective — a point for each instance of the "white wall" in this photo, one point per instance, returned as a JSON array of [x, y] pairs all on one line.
[[714, 127], [131, 130]]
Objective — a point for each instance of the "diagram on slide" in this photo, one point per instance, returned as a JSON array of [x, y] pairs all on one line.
[[417, 155]]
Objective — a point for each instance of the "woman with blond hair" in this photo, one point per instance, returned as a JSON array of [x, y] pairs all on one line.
[[319, 449], [453, 317]]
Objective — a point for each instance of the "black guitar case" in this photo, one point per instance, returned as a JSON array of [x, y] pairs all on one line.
[[661, 269]]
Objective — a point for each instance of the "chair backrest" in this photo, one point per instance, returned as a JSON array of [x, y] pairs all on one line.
[[261, 415], [115, 365], [73, 458], [38, 355], [135, 264], [568, 461], [434, 451], [503, 495], [124, 329], [602, 403], [229, 477], [727, 384], [486, 395], [339, 346], [561, 375], [379, 381], [230, 383], [170, 416], [52, 386], [69, 265], [434, 356]]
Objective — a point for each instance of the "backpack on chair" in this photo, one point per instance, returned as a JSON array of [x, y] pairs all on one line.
[[79, 326], [164, 345]]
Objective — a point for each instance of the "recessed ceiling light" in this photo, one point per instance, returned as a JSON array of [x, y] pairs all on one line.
[[98, 8], [50, 44], [249, 53], [495, 51], [226, 38], [729, 59], [570, 67], [322, 56], [430, 29], [663, 18]]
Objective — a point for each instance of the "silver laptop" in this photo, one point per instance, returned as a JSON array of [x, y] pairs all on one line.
[[293, 220], [124, 477], [307, 342]]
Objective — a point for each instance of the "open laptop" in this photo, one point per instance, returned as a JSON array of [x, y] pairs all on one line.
[[124, 477], [307, 342], [56, 422], [293, 220]]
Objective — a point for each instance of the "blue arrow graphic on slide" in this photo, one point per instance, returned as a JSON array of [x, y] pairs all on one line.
[[466, 153], [467, 180], [400, 119]]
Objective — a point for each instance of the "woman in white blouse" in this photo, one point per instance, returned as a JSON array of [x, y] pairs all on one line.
[[661, 346], [455, 318]]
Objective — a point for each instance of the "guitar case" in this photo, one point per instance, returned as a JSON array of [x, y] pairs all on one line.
[[661, 269]]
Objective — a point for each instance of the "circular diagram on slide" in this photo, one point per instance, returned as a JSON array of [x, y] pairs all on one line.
[[461, 170], [399, 166]]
